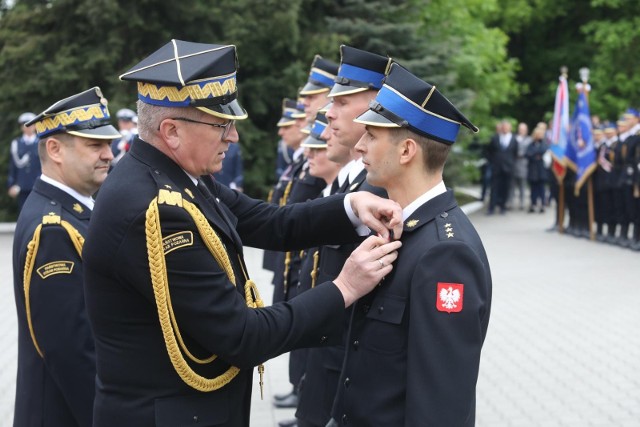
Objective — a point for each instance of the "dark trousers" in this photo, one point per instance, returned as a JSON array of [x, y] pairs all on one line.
[[500, 183], [537, 192]]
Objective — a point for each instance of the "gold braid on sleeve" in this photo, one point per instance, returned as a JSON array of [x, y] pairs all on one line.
[[158, 269], [30, 259]]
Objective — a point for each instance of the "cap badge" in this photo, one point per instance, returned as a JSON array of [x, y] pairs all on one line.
[[449, 297]]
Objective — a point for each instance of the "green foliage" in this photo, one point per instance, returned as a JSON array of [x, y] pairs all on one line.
[[491, 58]]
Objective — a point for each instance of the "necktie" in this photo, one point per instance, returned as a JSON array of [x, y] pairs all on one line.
[[214, 203]]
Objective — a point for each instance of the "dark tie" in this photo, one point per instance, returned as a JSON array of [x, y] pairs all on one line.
[[214, 203], [334, 186]]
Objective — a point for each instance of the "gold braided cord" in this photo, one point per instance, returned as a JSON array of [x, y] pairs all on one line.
[[188, 92], [30, 259], [314, 272], [159, 279], [69, 117], [285, 196]]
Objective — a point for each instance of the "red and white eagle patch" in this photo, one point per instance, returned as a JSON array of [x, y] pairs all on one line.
[[449, 297]]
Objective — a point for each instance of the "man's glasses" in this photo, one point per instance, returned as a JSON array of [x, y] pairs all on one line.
[[226, 128]]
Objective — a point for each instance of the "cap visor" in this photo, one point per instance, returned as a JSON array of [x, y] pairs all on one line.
[[306, 130], [312, 89], [326, 108], [285, 122], [312, 142], [230, 111], [340, 90], [102, 132], [371, 118]]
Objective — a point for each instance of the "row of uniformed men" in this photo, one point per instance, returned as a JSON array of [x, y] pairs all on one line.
[[149, 307], [616, 186], [334, 94]]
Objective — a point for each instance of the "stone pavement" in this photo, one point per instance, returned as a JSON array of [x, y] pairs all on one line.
[[562, 347]]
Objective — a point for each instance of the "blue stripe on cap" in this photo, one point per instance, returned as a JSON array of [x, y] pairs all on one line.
[[361, 75], [416, 116], [164, 102], [320, 78], [318, 128]]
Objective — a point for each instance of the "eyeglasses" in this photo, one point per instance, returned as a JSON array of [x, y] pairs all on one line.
[[226, 128]]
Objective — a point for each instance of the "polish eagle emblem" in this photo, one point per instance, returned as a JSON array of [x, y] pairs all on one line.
[[450, 297]]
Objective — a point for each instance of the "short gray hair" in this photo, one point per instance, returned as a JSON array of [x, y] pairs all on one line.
[[150, 116]]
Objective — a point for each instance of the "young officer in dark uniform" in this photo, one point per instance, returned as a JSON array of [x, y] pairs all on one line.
[[295, 186], [55, 385], [414, 342], [290, 131], [314, 96], [359, 77], [178, 324], [24, 166]]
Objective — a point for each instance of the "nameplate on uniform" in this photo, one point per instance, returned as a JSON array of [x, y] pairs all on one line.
[[177, 241], [449, 297], [55, 267]]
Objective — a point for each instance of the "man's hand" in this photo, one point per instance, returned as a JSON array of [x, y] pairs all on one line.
[[13, 192], [365, 267], [380, 215]]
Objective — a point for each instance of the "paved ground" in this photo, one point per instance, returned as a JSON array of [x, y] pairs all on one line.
[[562, 347]]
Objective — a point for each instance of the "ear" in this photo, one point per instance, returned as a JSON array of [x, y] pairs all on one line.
[[169, 132], [55, 149], [409, 148]]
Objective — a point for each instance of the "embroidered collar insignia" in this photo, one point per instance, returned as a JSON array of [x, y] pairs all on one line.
[[412, 223], [78, 208]]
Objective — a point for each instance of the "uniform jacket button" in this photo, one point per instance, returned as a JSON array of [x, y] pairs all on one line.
[[323, 338], [380, 309], [356, 344], [346, 382], [345, 419]]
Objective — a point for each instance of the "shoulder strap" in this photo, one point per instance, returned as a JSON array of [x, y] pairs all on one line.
[[52, 217]]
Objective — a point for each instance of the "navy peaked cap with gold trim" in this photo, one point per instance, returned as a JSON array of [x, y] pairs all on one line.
[[314, 140], [359, 71], [291, 110], [187, 74], [409, 102], [84, 114], [321, 77]]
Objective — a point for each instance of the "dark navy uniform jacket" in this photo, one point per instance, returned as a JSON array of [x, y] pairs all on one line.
[[57, 389], [414, 342], [137, 385], [323, 364]]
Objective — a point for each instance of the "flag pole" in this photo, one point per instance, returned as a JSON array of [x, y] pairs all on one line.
[[584, 76], [564, 71]]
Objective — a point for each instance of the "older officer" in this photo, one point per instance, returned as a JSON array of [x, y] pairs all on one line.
[[178, 324], [414, 342], [56, 358]]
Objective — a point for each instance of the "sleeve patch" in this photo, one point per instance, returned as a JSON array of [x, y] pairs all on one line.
[[177, 240], [55, 267], [449, 297]]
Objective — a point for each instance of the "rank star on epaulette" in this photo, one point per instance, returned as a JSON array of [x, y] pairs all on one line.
[[449, 230], [78, 208], [412, 223]]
